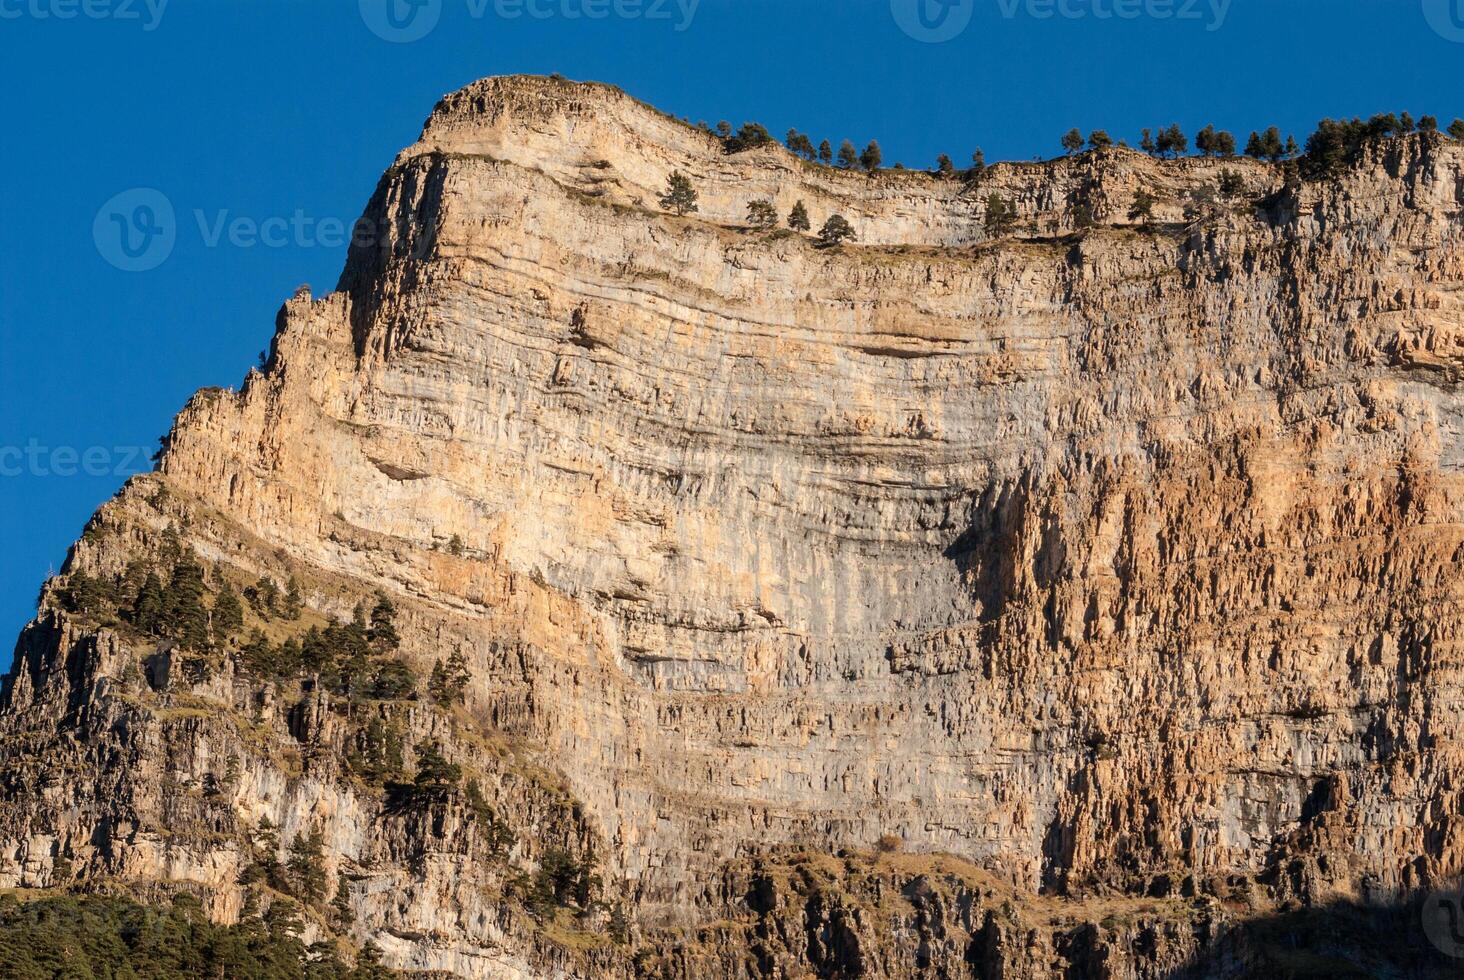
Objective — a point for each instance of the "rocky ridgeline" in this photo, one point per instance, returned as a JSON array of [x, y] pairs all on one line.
[[1046, 604]]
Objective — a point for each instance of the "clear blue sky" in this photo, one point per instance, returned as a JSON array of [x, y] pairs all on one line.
[[260, 109]]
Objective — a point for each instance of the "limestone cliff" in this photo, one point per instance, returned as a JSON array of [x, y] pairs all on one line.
[[1108, 568]]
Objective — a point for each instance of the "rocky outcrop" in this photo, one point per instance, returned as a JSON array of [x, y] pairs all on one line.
[[900, 915], [1113, 562]]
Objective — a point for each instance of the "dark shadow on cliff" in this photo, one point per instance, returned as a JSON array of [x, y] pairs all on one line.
[[1338, 941], [397, 231], [989, 552]]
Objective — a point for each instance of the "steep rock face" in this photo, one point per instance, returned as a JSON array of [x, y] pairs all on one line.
[[1109, 560]]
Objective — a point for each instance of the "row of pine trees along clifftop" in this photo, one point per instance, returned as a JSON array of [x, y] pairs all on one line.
[[1165, 142], [1327, 152], [681, 198]]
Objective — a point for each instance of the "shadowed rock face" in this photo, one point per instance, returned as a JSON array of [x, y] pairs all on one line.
[[1118, 564]]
